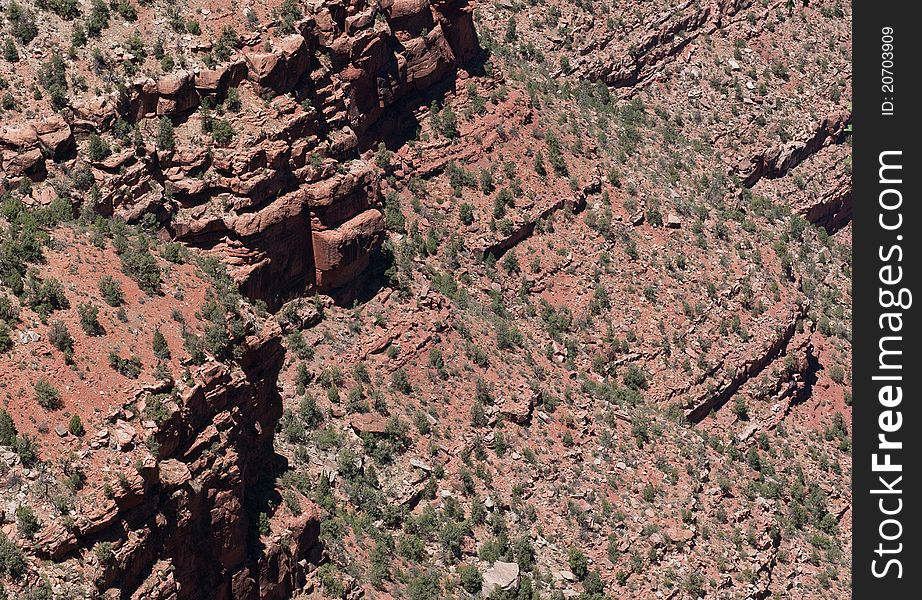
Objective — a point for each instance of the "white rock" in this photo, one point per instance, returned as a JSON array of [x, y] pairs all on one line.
[[502, 575]]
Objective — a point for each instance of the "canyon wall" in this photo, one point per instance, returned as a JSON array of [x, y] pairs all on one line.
[[287, 204]]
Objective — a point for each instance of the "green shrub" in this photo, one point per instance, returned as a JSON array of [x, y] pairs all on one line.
[[53, 77], [228, 41], [78, 36], [126, 10], [400, 381], [694, 585], [578, 562], [47, 396], [12, 561], [471, 580], [60, 337], [466, 213], [425, 586], [104, 553], [288, 14], [26, 522], [6, 340], [89, 319], [222, 132], [45, 297], [128, 367], [111, 291], [635, 378], [232, 102], [98, 19], [740, 408], [161, 349], [139, 264], [592, 584], [7, 429], [216, 340], [75, 426], [175, 253], [22, 22], [10, 53], [27, 449], [166, 138]]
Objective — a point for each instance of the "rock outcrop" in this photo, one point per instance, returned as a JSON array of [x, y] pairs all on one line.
[[778, 160], [183, 523], [273, 203], [620, 67], [501, 576], [25, 147]]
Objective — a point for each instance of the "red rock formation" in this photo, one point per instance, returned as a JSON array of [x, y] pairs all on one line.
[[288, 223], [25, 146], [191, 512], [778, 160]]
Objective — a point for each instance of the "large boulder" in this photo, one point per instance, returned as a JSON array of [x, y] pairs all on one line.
[[55, 137], [501, 576], [408, 18], [176, 93], [342, 253], [216, 82], [281, 69]]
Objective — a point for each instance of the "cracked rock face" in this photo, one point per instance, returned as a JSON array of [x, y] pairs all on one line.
[[271, 203]]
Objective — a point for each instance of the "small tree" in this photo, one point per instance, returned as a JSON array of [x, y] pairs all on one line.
[[466, 212], [75, 426], [222, 132], [400, 381], [22, 22], [60, 337], [161, 349], [740, 409], [593, 583], [7, 429], [111, 291], [128, 367], [127, 10], [26, 521], [6, 341], [753, 459], [47, 395], [471, 580], [12, 562], [10, 53], [89, 319], [232, 102], [635, 378], [104, 552], [578, 562], [166, 139], [98, 148]]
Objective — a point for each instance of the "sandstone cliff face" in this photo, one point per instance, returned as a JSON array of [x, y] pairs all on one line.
[[274, 203], [158, 493], [291, 207], [25, 146], [190, 512], [185, 521]]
